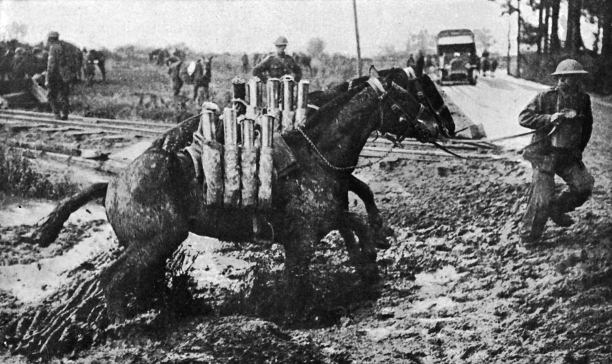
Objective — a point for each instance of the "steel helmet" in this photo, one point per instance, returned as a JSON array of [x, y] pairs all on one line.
[[53, 35], [281, 41], [456, 54], [19, 50], [569, 67]]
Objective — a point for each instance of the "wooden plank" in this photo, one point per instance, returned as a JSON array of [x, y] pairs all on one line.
[[78, 133], [110, 166]]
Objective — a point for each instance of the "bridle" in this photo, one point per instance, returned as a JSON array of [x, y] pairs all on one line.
[[383, 96]]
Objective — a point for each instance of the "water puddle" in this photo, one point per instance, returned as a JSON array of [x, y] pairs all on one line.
[[34, 282]]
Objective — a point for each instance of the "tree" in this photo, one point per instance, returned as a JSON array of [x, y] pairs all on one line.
[[315, 47], [484, 38], [555, 42], [14, 30], [573, 39]]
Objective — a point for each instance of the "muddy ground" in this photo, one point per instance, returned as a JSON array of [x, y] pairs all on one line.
[[456, 286]]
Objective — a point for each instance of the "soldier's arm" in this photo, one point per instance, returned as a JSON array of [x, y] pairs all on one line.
[[532, 117], [261, 67], [588, 123], [52, 60]]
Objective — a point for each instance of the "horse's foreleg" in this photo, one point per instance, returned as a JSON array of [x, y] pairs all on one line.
[[364, 192], [363, 255]]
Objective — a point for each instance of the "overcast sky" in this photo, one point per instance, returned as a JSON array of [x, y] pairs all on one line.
[[250, 26]]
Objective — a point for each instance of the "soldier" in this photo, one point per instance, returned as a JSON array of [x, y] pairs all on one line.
[[245, 63], [420, 64], [410, 62], [59, 75], [279, 64], [563, 121], [174, 69]]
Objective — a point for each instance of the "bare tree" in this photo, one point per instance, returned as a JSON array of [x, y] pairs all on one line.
[[315, 47], [14, 30]]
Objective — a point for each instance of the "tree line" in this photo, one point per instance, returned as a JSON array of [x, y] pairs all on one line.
[[544, 34]]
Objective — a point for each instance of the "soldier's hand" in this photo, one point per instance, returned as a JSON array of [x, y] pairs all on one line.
[[569, 113], [556, 118]]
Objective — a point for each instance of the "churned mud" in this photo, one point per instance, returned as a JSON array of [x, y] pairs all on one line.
[[456, 286]]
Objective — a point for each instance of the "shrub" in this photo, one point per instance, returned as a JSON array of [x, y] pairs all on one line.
[[18, 177]]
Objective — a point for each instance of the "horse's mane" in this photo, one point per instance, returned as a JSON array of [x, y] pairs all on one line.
[[328, 110]]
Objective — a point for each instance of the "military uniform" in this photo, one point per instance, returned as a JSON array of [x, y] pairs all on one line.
[[174, 70], [60, 73], [557, 151], [277, 66]]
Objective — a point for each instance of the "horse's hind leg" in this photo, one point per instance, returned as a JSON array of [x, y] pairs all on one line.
[[132, 281]]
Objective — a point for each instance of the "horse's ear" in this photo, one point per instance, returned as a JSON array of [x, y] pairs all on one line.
[[373, 72]]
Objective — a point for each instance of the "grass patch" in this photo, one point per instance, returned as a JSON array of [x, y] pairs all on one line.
[[19, 178]]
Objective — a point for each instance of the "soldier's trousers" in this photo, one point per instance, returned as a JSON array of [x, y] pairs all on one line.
[[543, 202], [58, 96]]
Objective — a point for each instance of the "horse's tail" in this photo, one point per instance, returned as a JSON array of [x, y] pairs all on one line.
[[49, 229]]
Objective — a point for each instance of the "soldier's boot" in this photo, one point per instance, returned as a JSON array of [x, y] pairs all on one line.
[[562, 219]]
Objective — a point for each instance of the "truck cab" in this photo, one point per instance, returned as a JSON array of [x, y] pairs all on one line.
[[458, 62]]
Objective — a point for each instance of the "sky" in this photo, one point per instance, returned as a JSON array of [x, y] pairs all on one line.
[[251, 25]]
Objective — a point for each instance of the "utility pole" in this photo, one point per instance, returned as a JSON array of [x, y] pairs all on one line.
[[357, 37], [508, 71], [518, 39]]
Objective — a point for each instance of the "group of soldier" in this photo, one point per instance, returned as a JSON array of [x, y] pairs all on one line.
[[56, 66], [198, 73]]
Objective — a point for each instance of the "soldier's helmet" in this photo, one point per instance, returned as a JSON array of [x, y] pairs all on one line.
[[281, 41], [569, 67], [456, 54], [53, 35], [19, 51]]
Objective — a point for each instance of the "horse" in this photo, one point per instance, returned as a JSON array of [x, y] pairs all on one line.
[[303, 60], [93, 58], [156, 201], [425, 90], [159, 56], [197, 73]]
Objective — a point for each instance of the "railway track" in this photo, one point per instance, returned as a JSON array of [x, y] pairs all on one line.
[[136, 128], [375, 148]]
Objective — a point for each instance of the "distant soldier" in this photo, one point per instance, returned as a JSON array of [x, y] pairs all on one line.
[[59, 75], [21, 65], [279, 64], [245, 63], [411, 62], [420, 64], [174, 70], [494, 64], [563, 121]]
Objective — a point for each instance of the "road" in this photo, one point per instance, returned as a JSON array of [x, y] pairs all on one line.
[[495, 102]]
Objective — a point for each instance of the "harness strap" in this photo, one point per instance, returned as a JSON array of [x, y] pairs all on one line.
[[377, 86]]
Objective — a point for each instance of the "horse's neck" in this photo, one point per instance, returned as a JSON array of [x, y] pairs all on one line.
[[342, 138]]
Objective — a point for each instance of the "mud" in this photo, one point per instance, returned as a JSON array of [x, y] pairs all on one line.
[[456, 286]]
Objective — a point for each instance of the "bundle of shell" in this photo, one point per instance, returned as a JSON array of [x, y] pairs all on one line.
[[239, 172]]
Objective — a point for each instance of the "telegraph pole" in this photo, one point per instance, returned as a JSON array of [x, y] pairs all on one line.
[[518, 39], [357, 37]]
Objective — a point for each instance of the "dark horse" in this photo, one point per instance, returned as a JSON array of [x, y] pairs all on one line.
[[424, 89], [93, 58], [156, 201]]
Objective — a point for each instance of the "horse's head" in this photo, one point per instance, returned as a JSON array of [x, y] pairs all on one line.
[[435, 102], [402, 114]]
